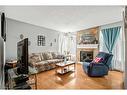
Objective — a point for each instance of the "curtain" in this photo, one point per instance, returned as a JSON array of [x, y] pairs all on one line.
[[62, 43], [118, 60], [110, 36], [118, 51], [67, 42]]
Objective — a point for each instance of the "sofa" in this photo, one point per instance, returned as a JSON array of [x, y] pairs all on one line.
[[39, 62], [99, 66]]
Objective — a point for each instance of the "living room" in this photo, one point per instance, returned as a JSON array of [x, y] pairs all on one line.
[[68, 39]]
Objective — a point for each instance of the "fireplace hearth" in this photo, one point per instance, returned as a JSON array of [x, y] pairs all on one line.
[[86, 55]]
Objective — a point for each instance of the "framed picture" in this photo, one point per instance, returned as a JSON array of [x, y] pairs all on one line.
[[41, 40]]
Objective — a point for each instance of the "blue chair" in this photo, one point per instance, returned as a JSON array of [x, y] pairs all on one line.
[[98, 69]]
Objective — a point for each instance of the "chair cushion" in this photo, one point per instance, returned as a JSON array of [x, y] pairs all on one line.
[[104, 55]]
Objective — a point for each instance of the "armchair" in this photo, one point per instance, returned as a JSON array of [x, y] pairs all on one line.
[[98, 69]]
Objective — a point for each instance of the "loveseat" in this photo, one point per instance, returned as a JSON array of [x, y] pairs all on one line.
[[39, 62]]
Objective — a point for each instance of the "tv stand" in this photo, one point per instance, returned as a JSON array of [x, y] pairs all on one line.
[[17, 81]]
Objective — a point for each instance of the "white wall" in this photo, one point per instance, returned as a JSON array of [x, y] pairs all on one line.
[[125, 82], [120, 23], [15, 28], [73, 46]]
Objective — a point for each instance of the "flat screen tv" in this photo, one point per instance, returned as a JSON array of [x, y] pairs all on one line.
[[3, 26], [22, 57]]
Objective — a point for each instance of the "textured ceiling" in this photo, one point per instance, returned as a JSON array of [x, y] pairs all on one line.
[[65, 18]]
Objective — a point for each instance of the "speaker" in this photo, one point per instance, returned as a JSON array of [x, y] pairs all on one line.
[[3, 26]]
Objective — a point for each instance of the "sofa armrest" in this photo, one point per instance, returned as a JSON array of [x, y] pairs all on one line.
[[86, 66], [97, 64]]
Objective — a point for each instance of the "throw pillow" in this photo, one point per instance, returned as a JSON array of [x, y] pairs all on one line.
[[37, 55], [48, 56], [34, 59], [42, 57], [54, 55], [97, 60]]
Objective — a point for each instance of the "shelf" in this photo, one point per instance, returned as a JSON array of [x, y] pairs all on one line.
[[88, 46]]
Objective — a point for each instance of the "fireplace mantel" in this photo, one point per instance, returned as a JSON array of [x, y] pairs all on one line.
[[90, 46]]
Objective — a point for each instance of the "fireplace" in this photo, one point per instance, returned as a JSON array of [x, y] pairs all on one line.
[[86, 55]]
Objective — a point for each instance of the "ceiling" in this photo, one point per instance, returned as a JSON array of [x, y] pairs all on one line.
[[65, 18]]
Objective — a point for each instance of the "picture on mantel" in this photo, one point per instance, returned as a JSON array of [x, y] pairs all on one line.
[[88, 39], [88, 36]]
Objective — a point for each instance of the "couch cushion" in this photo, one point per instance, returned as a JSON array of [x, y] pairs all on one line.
[[54, 60], [42, 62], [30, 55], [47, 55], [37, 55], [54, 55], [42, 57], [60, 60], [33, 61], [38, 64], [34, 58]]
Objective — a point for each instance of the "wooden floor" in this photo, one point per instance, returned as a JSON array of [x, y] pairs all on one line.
[[79, 80]]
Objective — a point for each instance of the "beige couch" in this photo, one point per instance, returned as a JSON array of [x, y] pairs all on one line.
[[43, 61]]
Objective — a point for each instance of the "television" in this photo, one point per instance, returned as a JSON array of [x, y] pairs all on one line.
[[22, 57], [3, 26], [2, 50]]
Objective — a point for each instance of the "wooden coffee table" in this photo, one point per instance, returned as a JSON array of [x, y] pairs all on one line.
[[63, 68]]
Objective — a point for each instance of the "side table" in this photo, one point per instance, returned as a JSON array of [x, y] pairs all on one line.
[[12, 63]]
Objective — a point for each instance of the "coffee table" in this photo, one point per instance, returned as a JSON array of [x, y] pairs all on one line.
[[63, 68]]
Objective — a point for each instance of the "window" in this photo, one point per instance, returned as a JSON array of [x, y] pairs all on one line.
[[41, 40], [118, 59]]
